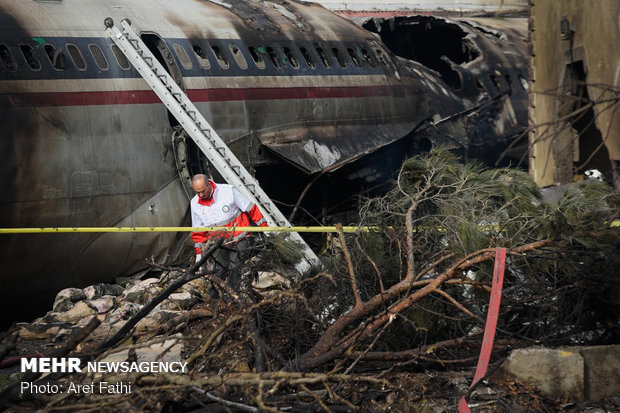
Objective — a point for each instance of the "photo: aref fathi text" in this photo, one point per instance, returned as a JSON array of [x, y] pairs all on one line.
[[100, 387]]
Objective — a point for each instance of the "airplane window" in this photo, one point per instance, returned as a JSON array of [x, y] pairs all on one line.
[[382, 57], [221, 59], [120, 57], [308, 57], [524, 83], [238, 56], [354, 57], [339, 57], [182, 55], [274, 57], [7, 58], [56, 56], [323, 56], [99, 57], [30, 56], [291, 59], [258, 59], [76, 56], [368, 57], [202, 57]]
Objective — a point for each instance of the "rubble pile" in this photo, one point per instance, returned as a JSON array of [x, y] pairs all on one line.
[[113, 305], [393, 321]]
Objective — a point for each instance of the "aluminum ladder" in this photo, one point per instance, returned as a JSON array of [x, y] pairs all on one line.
[[207, 139]]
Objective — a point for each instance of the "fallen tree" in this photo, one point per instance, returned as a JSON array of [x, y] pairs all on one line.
[[445, 219], [423, 280], [410, 295]]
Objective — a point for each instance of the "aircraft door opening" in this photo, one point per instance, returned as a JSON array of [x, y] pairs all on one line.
[[188, 157], [162, 52]]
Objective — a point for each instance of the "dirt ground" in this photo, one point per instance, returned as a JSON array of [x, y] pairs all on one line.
[[223, 380]]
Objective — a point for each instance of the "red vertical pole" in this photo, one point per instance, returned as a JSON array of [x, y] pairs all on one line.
[[491, 324]]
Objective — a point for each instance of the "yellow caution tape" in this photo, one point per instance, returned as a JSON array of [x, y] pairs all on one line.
[[317, 229], [182, 229]]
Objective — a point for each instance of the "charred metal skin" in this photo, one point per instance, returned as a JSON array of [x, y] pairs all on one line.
[[485, 65], [291, 87]]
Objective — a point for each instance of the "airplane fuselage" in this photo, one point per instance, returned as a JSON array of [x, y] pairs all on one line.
[[85, 142]]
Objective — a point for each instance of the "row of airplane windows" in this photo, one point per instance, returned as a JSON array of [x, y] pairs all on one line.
[[57, 58], [279, 57]]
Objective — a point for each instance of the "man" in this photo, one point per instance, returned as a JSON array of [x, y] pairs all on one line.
[[222, 205]]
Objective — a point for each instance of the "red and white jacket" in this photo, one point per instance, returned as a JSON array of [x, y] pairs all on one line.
[[227, 208]]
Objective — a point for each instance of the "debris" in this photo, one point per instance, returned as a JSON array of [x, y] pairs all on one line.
[[406, 306]]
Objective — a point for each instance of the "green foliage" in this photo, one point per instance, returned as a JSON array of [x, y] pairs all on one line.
[[460, 208]]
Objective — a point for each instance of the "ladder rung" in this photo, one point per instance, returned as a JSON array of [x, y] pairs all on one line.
[[198, 128]]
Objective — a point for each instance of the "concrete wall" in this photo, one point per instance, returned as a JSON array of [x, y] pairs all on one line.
[[586, 373], [596, 40]]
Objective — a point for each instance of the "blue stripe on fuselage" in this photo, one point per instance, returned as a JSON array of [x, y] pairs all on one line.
[[114, 71]]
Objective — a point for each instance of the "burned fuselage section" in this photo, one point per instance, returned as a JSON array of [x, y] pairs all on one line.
[[300, 95], [483, 61]]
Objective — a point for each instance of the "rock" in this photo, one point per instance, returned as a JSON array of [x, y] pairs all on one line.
[[106, 330], [102, 304], [270, 280], [84, 322], [167, 351], [79, 311], [124, 312], [556, 373], [99, 290], [586, 373], [142, 292], [156, 319], [179, 301], [602, 371], [26, 334], [66, 298], [48, 332], [198, 287]]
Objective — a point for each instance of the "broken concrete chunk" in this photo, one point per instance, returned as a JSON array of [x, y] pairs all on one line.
[[102, 304], [124, 311], [178, 301], [99, 290], [156, 319], [587, 373], [199, 287], [269, 280], [79, 311], [66, 298], [142, 292], [602, 371]]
